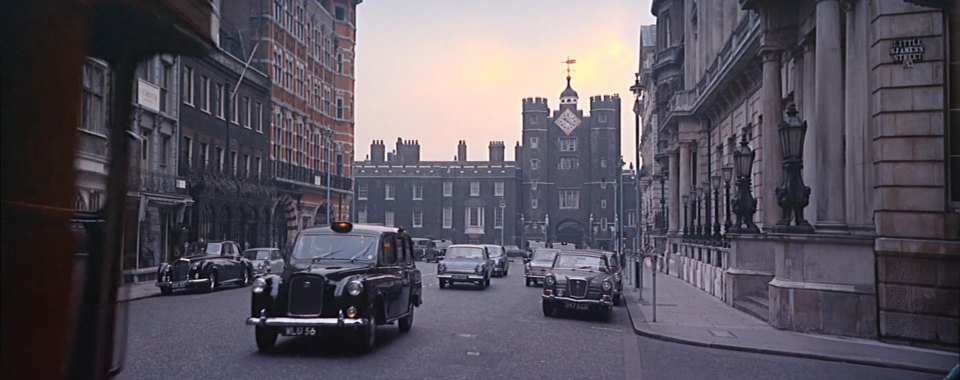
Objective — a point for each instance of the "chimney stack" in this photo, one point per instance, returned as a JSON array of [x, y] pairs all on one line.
[[462, 151], [377, 151], [497, 151]]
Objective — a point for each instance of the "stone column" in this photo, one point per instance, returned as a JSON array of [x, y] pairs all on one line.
[[683, 182], [673, 188], [808, 111], [859, 187], [828, 93], [771, 160]]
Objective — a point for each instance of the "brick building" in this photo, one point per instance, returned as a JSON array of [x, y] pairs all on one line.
[[307, 50], [455, 200]]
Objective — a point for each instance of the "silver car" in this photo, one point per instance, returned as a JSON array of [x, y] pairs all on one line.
[[264, 260]]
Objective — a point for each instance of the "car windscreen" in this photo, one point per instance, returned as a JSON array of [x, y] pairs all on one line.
[[544, 256], [581, 262], [336, 247], [205, 249], [464, 253], [495, 251], [261, 254]]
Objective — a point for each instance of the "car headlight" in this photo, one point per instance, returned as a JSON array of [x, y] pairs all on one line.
[[195, 266], [441, 268], [607, 286], [354, 287], [259, 285], [479, 268], [549, 281]]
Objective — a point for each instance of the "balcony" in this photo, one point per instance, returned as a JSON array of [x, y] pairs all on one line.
[[157, 182], [668, 60], [290, 172]]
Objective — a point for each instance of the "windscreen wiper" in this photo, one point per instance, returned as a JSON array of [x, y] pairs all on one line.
[[325, 255]]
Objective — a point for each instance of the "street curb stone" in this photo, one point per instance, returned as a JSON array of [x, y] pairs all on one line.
[[638, 328]]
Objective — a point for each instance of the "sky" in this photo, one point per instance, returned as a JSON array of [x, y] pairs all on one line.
[[440, 71]]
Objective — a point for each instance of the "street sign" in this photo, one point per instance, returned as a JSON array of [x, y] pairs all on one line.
[[148, 95]]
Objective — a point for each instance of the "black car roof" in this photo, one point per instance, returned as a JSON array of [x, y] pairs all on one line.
[[368, 229]]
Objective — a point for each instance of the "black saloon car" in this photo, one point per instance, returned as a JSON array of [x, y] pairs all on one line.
[[579, 280], [206, 265], [345, 277], [465, 263], [498, 255]]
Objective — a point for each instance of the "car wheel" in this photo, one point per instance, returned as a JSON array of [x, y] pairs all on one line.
[[443, 284], [527, 282], [481, 284], [406, 323], [166, 290], [547, 308], [266, 338], [617, 299], [487, 283], [213, 282], [368, 333]]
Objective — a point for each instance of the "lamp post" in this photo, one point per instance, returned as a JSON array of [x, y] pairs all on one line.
[[503, 220], [637, 90], [705, 187], [727, 174], [686, 217], [744, 204], [327, 138], [590, 230], [715, 183], [696, 211], [793, 196]]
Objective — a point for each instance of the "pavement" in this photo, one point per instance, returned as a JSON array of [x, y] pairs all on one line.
[[686, 314], [137, 290]]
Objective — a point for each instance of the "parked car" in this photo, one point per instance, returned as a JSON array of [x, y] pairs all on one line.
[[501, 264], [441, 245], [538, 265], [346, 277], [264, 260], [424, 250], [465, 263], [514, 251], [206, 265], [579, 280]]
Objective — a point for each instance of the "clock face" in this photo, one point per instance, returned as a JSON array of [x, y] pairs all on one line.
[[567, 121]]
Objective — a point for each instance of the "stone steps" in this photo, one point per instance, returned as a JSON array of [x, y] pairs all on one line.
[[755, 306]]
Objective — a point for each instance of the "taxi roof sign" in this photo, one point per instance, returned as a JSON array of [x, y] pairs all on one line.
[[341, 227]]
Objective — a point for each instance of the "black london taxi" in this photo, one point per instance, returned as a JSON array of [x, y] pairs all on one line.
[[347, 277], [579, 280]]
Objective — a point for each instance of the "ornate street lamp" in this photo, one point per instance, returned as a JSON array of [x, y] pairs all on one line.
[[727, 174], [705, 188], [686, 217], [744, 204], [715, 183], [695, 210], [792, 195]]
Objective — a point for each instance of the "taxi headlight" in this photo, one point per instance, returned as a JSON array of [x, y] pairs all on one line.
[[479, 268], [259, 285], [354, 287], [441, 268], [549, 281], [607, 286]]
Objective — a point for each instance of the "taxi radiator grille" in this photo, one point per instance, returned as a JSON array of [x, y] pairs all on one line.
[[306, 296]]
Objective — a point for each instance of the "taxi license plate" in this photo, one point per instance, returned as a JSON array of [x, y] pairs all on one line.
[[460, 276], [300, 331], [576, 306]]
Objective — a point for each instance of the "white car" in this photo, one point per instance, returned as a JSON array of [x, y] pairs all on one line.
[[264, 260]]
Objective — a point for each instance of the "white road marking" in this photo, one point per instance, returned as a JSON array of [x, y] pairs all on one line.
[[473, 353], [606, 329], [467, 335]]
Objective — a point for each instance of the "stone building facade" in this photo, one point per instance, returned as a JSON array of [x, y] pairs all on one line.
[[231, 184], [307, 50], [876, 83], [570, 161], [92, 155], [456, 200], [157, 196]]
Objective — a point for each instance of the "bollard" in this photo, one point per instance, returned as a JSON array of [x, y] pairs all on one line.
[[655, 261]]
